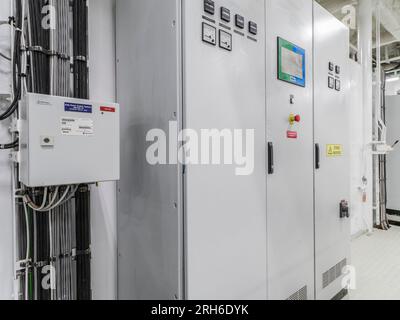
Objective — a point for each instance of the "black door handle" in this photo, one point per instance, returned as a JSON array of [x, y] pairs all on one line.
[[270, 158], [317, 156]]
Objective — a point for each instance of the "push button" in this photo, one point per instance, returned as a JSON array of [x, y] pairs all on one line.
[[253, 28], [209, 6], [239, 21], [294, 118], [331, 83], [225, 14], [337, 85]]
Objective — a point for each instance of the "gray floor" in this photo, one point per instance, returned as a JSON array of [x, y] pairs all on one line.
[[376, 259]]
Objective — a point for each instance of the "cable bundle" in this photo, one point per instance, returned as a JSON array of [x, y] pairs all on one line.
[[81, 90], [60, 45], [62, 243], [52, 223], [83, 254], [80, 21], [16, 23], [39, 49]]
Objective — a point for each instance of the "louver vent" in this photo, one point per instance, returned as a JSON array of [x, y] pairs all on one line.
[[333, 274], [299, 295]]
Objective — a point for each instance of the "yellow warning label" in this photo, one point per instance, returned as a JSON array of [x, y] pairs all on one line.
[[334, 150]]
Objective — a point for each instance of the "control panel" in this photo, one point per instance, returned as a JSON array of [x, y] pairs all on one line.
[[221, 32], [334, 81], [291, 63], [68, 141]]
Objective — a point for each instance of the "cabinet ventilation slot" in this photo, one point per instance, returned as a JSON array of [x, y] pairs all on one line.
[[299, 295], [333, 274]]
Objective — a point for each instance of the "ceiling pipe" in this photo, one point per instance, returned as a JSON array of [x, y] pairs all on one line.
[[365, 53]]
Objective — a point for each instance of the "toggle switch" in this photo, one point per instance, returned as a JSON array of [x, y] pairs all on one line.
[[294, 118]]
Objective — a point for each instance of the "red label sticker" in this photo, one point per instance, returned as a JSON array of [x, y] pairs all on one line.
[[292, 134], [107, 109]]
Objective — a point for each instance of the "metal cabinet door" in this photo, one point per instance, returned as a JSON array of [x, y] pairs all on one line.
[[290, 187], [149, 222], [332, 179], [225, 214]]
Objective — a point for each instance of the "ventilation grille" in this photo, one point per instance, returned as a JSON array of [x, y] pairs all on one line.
[[333, 274], [299, 295]]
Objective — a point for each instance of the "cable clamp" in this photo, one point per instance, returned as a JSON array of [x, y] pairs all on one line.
[[41, 50], [11, 20], [65, 255], [15, 125], [41, 264], [35, 48], [62, 256], [80, 58], [80, 253], [23, 264], [15, 156], [64, 56], [52, 53]]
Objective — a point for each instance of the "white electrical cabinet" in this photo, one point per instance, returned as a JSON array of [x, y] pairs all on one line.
[[290, 181], [393, 158], [199, 230], [68, 141], [308, 188], [332, 151], [193, 231]]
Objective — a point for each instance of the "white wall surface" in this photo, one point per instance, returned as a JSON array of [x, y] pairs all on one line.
[[6, 224], [392, 88], [361, 212], [104, 207]]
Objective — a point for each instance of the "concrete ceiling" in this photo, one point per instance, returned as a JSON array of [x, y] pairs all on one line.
[[390, 26]]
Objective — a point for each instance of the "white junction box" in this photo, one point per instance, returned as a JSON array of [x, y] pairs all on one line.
[[68, 141]]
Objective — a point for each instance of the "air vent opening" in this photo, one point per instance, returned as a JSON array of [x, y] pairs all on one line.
[[299, 295], [333, 274]]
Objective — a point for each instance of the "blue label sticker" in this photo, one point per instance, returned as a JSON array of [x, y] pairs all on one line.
[[75, 107]]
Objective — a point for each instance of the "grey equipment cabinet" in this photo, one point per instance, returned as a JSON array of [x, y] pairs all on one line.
[[199, 231]]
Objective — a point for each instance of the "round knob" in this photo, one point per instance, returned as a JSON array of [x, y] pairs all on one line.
[[293, 118]]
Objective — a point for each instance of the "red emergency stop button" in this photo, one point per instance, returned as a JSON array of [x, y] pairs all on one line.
[[293, 119]]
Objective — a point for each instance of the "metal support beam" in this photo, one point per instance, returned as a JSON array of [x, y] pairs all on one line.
[[365, 47]]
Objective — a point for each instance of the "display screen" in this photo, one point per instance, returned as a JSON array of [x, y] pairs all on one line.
[[291, 63]]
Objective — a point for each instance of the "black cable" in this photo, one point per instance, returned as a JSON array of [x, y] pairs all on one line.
[[16, 68], [4, 56], [8, 146]]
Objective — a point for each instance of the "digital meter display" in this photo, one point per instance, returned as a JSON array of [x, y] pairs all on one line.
[[291, 63]]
